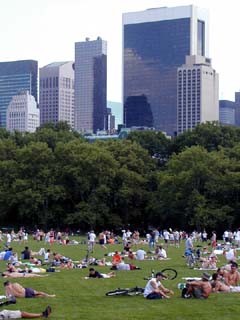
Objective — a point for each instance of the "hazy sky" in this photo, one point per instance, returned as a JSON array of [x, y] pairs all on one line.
[[46, 30]]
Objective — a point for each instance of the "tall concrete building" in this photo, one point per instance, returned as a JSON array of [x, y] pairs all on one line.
[[22, 113], [110, 122], [197, 93], [16, 76], [90, 85], [117, 111], [155, 43], [227, 110], [56, 93]]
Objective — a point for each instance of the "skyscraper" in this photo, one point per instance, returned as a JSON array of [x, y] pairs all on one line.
[[56, 94], [22, 113], [90, 85], [197, 93], [16, 76], [155, 43], [237, 109], [227, 110]]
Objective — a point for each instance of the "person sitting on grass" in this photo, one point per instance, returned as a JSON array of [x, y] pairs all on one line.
[[154, 288], [95, 274], [125, 266], [116, 259], [16, 290], [18, 314], [220, 286], [199, 289], [161, 253], [232, 277]]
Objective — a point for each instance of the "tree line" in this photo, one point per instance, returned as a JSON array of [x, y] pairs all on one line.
[[55, 178]]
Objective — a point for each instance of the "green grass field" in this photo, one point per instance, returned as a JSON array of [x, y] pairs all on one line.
[[78, 298]]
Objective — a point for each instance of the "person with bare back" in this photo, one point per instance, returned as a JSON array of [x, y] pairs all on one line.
[[16, 290]]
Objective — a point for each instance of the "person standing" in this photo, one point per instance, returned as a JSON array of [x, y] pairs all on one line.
[[91, 240], [214, 240], [102, 240]]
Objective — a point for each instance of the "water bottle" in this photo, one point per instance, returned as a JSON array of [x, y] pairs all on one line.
[[152, 275], [181, 286]]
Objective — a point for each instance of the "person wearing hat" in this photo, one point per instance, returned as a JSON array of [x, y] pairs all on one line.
[[199, 289], [155, 290]]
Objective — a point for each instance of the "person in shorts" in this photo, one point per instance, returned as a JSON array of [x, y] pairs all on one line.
[[17, 314], [18, 291], [199, 289]]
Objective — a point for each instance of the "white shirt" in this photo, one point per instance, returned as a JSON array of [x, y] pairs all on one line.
[[123, 266], [92, 237], [162, 253], [166, 235], [149, 288], [140, 254]]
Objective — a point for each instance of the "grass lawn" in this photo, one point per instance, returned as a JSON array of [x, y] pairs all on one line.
[[78, 298]]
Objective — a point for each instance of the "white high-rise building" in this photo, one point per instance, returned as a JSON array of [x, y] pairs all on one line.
[[56, 94], [22, 113], [197, 93], [90, 85]]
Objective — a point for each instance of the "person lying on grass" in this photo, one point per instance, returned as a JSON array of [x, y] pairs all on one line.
[[18, 314], [16, 290], [95, 274], [7, 274]]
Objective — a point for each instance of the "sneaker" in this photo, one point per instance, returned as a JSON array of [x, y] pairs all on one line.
[[187, 296], [12, 300], [47, 312]]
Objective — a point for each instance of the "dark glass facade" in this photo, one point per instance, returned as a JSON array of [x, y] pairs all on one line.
[[99, 92], [152, 53], [138, 112], [16, 76]]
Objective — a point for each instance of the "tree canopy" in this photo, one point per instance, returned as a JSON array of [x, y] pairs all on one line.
[[55, 178]]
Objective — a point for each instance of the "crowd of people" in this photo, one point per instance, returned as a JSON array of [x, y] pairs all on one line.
[[135, 249]]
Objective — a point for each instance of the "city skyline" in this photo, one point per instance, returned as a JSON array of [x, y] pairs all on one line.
[[46, 31]]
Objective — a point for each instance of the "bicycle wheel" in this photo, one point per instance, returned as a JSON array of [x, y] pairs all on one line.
[[135, 291], [169, 273], [118, 292]]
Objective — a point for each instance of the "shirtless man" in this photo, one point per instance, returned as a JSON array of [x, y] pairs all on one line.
[[102, 237], [16, 290], [219, 286], [199, 289], [17, 274], [232, 277]]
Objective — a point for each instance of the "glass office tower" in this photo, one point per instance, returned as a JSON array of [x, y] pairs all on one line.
[[155, 43], [90, 85], [16, 76]]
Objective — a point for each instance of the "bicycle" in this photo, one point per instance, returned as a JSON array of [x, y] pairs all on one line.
[[126, 292], [169, 274]]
